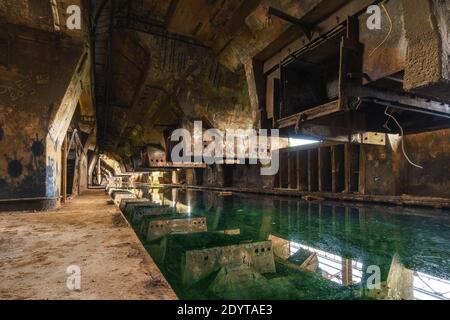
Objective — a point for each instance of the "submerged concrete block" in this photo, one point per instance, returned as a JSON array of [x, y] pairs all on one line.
[[142, 211], [115, 192], [199, 264], [118, 197], [231, 232], [112, 189], [235, 279], [119, 201], [131, 202], [131, 207], [162, 227]]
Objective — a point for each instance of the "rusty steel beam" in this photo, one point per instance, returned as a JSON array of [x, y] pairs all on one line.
[[406, 102], [170, 12], [305, 27], [133, 20], [309, 114], [326, 25]]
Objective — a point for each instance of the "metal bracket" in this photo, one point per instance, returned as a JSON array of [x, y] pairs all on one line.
[[406, 102], [305, 27]]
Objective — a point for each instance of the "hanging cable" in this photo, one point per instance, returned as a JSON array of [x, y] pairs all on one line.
[[358, 103], [402, 135], [391, 25]]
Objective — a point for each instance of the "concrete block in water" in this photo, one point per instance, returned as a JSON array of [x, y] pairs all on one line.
[[231, 232], [159, 228], [130, 207], [142, 211], [113, 193], [131, 202], [199, 264], [145, 209], [113, 189], [118, 197], [236, 280]]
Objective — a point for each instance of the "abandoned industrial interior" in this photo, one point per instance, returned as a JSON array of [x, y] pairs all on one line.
[[352, 98]]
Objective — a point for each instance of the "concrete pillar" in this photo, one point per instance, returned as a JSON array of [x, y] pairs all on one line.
[[255, 80], [347, 275], [428, 44], [174, 177], [91, 171], [64, 152], [99, 171]]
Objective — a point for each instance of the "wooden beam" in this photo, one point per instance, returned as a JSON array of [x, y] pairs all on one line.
[[320, 169], [309, 171], [347, 272], [334, 169], [362, 170], [303, 170], [289, 171], [280, 172], [338, 168], [348, 173], [170, 12], [299, 169]]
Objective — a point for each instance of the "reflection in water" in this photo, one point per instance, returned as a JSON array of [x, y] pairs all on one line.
[[334, 268], [427, 287], [251, 247]]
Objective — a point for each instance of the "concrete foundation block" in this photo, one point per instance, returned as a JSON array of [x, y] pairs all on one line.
[[163, 227], [140, 212], [118, 197], [130, 202], [131, 207], [199, 264]]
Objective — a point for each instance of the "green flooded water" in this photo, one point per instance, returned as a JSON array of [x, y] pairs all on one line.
[[263, 247]]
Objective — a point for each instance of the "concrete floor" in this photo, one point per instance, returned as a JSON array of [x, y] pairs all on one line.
[[37, 248]]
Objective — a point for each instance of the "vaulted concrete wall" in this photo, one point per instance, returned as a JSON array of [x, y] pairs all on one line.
[[41, 15], [40, 83]]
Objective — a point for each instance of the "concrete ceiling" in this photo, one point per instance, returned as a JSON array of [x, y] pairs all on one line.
[[192, 67]]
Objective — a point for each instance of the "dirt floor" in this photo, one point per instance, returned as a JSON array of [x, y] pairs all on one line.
[[37, 248]]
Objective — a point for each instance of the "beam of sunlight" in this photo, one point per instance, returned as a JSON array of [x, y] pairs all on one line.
[[297, 142]]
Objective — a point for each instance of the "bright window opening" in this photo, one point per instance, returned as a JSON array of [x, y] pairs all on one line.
[[296, 142]]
